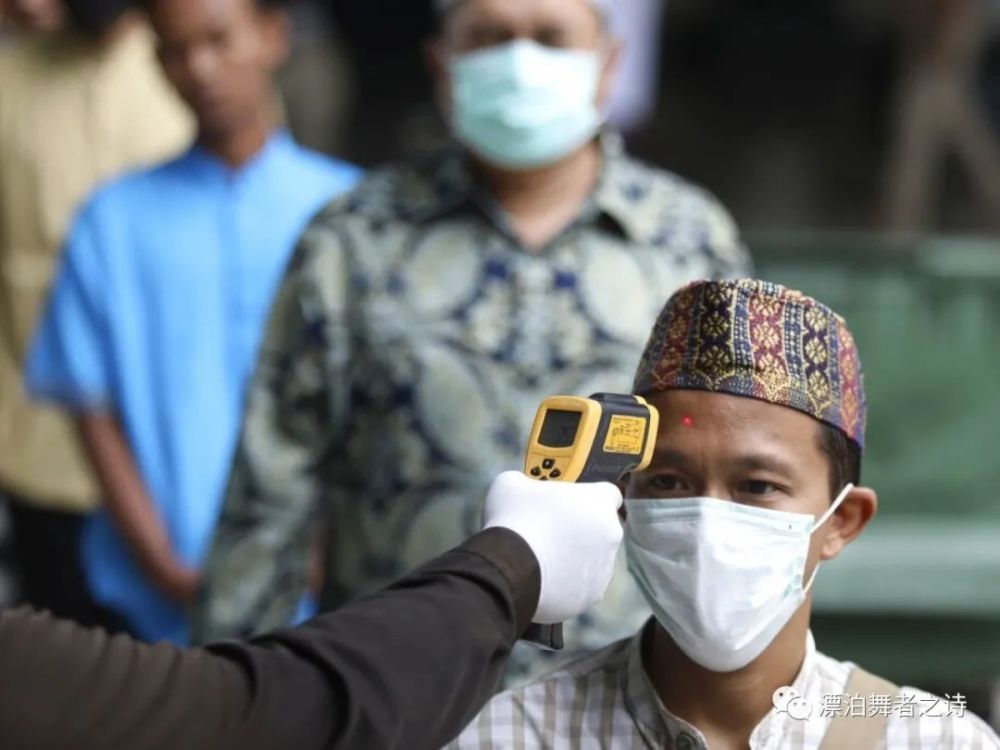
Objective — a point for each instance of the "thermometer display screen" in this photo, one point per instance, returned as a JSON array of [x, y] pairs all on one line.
[[559, 428]]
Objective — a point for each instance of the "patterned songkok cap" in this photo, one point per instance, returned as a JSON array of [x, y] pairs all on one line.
[[759, 340]]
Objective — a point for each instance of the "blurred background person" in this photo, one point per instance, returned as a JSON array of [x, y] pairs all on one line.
[[940, 112], [426, 316], [155, 318], [32, 15], [388, 109], [81, 98]]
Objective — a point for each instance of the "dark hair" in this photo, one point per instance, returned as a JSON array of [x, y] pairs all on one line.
[[436, 22], [95, 17], [844, 455], [262, 4]]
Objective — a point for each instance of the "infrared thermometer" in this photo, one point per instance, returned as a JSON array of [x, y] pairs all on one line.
[[596, 439]]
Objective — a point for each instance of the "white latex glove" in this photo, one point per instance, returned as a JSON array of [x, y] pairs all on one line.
[[574, 531]]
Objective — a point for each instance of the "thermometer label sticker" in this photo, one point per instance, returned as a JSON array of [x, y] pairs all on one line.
[[625, 435]]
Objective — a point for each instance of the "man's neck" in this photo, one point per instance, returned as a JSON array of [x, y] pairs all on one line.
[[726, 707], [238, 147], [117, 31], [541, 202]]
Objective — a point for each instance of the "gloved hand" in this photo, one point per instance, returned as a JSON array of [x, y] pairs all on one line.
[[574, 531]]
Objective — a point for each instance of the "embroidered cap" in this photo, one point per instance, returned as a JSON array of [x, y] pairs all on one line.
[[759, 340]]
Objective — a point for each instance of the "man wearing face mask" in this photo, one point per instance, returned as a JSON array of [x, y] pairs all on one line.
[[81, 99], [426, 315], [754, 484]]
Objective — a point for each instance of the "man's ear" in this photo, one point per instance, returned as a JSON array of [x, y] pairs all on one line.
[[613, 50], [436, 60], [277, 30], [848, 521]]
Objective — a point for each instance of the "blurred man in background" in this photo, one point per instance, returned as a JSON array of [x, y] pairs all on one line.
[[154, 321], [940, 112], [426, 315], [32, 15], [81, 99]]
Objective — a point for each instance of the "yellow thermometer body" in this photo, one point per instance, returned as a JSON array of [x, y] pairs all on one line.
[[596, 439]]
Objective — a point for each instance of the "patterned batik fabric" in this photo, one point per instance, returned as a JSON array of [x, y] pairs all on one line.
[[760, 340]]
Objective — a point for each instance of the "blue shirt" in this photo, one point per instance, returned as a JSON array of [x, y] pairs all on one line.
[[157, 314]]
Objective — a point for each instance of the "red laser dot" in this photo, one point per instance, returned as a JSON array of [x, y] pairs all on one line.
[[687, 421]]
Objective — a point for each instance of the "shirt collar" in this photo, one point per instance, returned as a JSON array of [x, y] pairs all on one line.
[[442, 184], [620, 186], [655, 722], [277, 143], [653, 718], [449, 186], [775, 724]]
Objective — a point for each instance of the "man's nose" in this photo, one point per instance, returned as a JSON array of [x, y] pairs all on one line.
[[717, 489], [202, 65]]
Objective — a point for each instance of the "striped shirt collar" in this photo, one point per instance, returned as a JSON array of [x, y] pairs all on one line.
[[605, 700], [658, 725]]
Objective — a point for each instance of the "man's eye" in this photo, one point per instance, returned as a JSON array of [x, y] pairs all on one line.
[[758, 487], [484, 37], [668, 483], [552, 37]]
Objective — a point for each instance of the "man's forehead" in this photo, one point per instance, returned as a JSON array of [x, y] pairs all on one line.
[[443, 6], [197, 15], [728, 422], [521, 9]]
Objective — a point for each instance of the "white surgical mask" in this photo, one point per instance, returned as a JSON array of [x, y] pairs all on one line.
[[722, 578], [521, 105]]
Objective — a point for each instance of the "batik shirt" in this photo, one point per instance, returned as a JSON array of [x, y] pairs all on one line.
[[409, 348]]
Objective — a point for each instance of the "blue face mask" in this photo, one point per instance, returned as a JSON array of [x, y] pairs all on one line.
[[521, 105]]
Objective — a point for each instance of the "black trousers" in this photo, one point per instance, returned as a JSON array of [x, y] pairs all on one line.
[[45, 553]]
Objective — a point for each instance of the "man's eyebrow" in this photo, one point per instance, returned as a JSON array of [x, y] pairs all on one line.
[[671, 457], [762, 462]]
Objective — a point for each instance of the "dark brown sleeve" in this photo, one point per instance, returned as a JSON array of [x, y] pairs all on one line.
[[406, 668]]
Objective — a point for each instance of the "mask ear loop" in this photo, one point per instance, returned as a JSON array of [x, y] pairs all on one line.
[[823, 519], [832, 509]]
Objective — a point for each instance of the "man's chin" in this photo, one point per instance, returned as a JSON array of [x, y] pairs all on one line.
[[219, 129]]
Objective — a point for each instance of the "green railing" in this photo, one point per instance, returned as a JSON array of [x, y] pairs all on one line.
[[917, 597]]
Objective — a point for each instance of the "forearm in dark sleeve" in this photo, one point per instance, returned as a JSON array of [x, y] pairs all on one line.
[[63, 687], [408, 667]]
